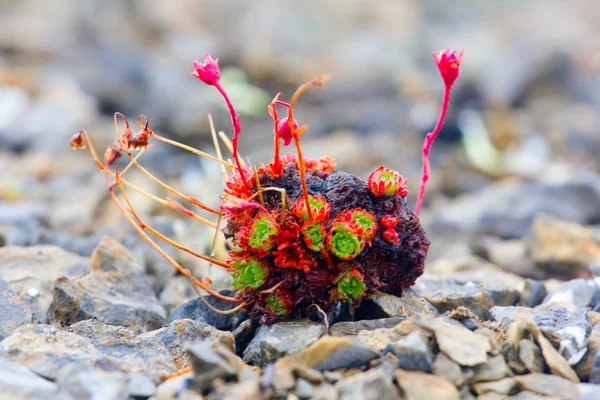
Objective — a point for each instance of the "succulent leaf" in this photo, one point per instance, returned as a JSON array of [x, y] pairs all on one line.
[[248, 272], [263, 234]]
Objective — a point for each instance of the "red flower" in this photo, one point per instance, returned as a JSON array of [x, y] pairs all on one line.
[[208, 71], [284, 132], [448, 62], [289, 253]]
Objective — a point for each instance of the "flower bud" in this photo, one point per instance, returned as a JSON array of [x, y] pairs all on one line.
[[208, 71], [387, 182]]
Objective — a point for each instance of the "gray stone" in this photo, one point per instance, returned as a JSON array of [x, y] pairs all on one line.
[[568, 331], [588, 391], [492, 370], [304, 389], [595, 371], [457, 342], [117, 291], [244, 333], [417, 385], [374, 384], [448, 369], [20, 383], [508, 315], [196, 310], [32, 271], [351, 328], [46, 350], [534, 292], [183, 332], [584, 367], [211, 361], [502, 386], [447, 294], [140, 386], [382, 305], [177, 290], [13, 311], [413, 351], [531, 356], [280, 339], [93, 384], [572, 295]]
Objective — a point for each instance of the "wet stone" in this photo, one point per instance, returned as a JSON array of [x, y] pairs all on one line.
[[447, 294], [182, 332], [13, 311], [117, 291], [196, 310], [280, 339], [22, 383], [351, 328], [32, 271]]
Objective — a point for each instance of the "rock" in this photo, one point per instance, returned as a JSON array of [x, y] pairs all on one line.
[[21, 383], [117, 291], [177, 290], [572, 295], [242, 390], [140, 386], [374, 384], [531, 356], [567, 331], [32, 271], [492, 370], [13, 311], [447, 294], [330, 353], [448, 369], [417, 385], [304, 389], [508, 315], [548, 385], [383, 305], [584, 367], [209, 362], [93, 384], [196, 309], [413, 351], [527, 395], [534, 292], [595, 370], [379, 339], [176, 388], [351, 328], [280, 339], [562, 248], [325, 391], [309, 374], [244, 334], [502, 386], [588, 391], [183, 332], [457, 342]]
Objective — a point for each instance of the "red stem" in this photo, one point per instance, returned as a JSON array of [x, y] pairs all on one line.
[[429, 139], [236, 132]]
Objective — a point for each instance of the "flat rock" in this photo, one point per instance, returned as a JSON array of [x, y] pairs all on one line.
[[117, 291], [13, 311], [547, 385], [196, 310], [351, 328], [502, 386], [379, 339], [447, 295], [457, 342], [492, 370], [382, 305], [184, 332], [374, 384], [568, 331], [21, 383], [46, 350], [330, 353], [32, 271], [280, 339], [417, 385], [448, 369], [572, 295]]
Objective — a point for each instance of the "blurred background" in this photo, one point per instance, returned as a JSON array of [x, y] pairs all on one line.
[[517, 157]]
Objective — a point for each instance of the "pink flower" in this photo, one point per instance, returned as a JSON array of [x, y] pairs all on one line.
[[284, 132], [448, 62], [208, 71]]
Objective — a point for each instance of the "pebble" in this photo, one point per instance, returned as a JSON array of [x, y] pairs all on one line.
[[548, 385], [382, 305], [448, 369], [280, 339], [209, 362], [352, 328], [417, 385], [374, 384], [572, 295], [534, 292], [507, 315], [94, 384], [413, 351], [116, 291], [492, 370], [198, 311]]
